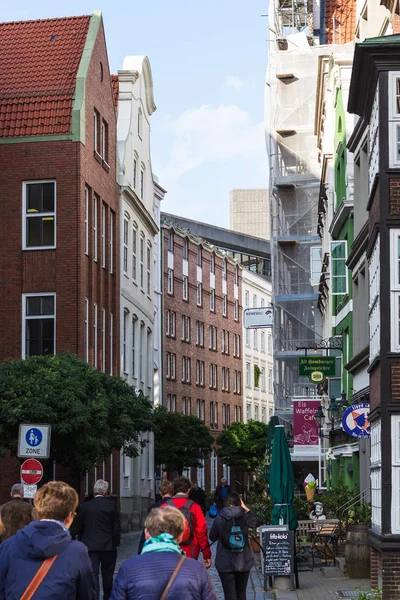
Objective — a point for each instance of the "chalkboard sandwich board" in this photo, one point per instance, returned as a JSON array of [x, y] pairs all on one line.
[[278, 549]]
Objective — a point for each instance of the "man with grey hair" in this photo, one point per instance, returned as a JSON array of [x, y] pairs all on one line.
[[98, 527], [17, 491]]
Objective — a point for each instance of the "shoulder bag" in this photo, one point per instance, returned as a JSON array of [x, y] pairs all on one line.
[[37, 580], [172, 578]]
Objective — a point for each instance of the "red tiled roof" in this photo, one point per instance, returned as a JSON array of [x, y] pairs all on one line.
[[39, 61], [340, 21], [115, 89]]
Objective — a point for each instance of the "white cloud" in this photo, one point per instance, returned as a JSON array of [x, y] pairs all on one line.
[[234, 82], [208, 134]]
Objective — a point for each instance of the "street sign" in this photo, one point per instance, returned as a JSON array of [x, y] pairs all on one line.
[[255, 318], [31, 471], [317, 368], [355, 420], [34, 440], [30, 491]]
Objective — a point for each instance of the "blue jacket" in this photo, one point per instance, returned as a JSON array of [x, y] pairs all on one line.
[[70, 576], [146, 576]]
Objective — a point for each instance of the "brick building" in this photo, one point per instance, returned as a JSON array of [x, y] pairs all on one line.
[[59, 225], [202, 337]]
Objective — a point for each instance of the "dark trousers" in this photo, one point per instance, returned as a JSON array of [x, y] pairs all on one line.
[[107, 560], [234, 584]]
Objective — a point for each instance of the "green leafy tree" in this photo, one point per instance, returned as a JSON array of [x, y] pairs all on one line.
[[90, 413], [180, 441], [242, 445]]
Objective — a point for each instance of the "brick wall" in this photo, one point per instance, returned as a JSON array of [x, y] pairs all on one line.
[[394, 195], [374, 388]]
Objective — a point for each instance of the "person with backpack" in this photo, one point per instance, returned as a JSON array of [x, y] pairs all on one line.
[[194, 539], [234, 559]]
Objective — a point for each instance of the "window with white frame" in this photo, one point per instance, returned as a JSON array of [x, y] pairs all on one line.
[[394, 118], [213, 332], [200, 475], [39, 324], [111, 241], [248, 412], [212, 300], [256, 412], [262, 379], [212, 262], [394, 287], [39, 214], [223, 379], [104, 141], [96, 132], [315, 265], [141, 352], [171, 241], [395, 436], [95, 217], [148, 269], [270, 381], [262, 341], [173, 324], [141, 261], [374, 300], [199, 333], [95, 336], [199, 294], [134, 250], [125, 342], [236, 275], [86, 332], [263, 414], [248, 337], [200, 410], [87, 199], [103, 235], [168, 323], [269, 342], [135, 171], [248, 375], [376, 477], [133, 346], [254, 300], [185, 288], [255, 339], [224, 305], [185, 328], [224, 270], [126, 242], [185, 249], [339, 277], [170, 281], [103, 340], [214, 469], [111, 342], [142, 182], [247, 299], [262, 302], [199, 256], [236, 310]]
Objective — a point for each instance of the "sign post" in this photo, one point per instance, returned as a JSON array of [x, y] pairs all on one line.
[[31, 471], [255, 318], [34, 440]]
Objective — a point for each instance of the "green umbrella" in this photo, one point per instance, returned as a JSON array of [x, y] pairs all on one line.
[[268, 450], [281, 482]]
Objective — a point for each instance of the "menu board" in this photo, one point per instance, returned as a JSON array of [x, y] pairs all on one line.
[[278, 549]]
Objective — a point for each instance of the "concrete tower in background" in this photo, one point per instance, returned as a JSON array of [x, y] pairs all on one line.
[[249, 212]]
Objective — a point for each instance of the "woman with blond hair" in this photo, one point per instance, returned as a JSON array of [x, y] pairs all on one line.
[[42, 560]]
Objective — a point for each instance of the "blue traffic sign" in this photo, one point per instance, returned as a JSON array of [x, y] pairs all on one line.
[[33, 437]]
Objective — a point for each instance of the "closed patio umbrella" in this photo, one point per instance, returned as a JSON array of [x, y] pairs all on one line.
[[268, 450], [281, 481]]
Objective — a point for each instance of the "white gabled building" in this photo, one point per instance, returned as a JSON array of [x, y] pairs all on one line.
[[139, 302], [258, 395]]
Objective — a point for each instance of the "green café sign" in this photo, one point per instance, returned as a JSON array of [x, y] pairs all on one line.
[[317, 368]]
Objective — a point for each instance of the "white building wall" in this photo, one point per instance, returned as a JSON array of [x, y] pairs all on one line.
[[138, 231], [258, 402]]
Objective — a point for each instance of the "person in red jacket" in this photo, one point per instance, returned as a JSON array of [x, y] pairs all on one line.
[[199, 542]]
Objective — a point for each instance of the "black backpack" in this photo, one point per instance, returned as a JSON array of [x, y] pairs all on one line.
[[188, 533], [234, 535]]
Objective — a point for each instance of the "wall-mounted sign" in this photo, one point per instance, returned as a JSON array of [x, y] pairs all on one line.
[[305, 426], [317, 368], [255, 318], [355, 420]]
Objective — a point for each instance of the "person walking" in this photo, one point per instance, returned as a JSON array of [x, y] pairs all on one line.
[[98, 527], [234, 558], [17, 491], [197, 494], [195, 539], [221, 493], [46, 543], [15, 515], [163, 563], [166, 491]]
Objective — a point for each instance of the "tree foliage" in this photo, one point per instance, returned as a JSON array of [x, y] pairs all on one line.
[[181, 441], [242, 445], [90, 413]]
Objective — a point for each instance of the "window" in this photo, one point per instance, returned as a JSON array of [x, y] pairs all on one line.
[[237, 413], [212, 331], [213, 376], [236, 310], [200, 333], [185, 328], [338, 268], [134, 172], [248, 412], [199, 294], [171, 402], [111, 241], [134, 251], [96, 132], [185, 288], [141, 352], [86, 332], [212, 263], [374, 299], [125, 343], [262, 303], [103, 235], [237, 382], [214, 469], [263, 414], [246, 299], [248, 337], [248, 375], [254, 301], [212, 300], [148, 269], [262, 341], [224, 269], [95, 213], [171, 366], [376, 477], [103, 340], [142, 183], [224, 305], [315, 265], [270, 381], [172, 323], [104, 141], [394, 289], [262, 379], [86, 221], [256, 413], [111, 343], [269, 343], [223, 379], [225, 341], [255, 339], [95, 336], [168, 323], [214, 415], [39, 312], [126, 241], [141, 261], [133, 349], [200, 410], [140, 123], [39, 213], [171, 241], [199, 256], [170, 282], [236, 275], [236, 345]]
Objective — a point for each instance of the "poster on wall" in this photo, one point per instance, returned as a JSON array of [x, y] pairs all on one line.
[[305, 426], [355, 420]]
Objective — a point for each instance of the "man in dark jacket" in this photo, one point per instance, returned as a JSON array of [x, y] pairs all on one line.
[[166, 491], [70, 576], [198, 495], [98, 527], [146, 576], [221, 493]]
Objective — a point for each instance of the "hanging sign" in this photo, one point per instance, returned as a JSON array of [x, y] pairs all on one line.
[[255, 318], [355, 420], [317, 368], [305, 426]]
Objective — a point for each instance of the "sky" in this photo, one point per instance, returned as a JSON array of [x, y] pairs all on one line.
[[208, 62]]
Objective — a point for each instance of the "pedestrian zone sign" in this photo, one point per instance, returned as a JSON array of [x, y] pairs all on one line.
[[34, 440]]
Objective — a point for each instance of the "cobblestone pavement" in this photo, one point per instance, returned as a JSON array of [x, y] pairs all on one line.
[[315, 585]]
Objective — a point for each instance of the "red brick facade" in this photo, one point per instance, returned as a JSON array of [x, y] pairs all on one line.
[[67, 270], [227, 405]]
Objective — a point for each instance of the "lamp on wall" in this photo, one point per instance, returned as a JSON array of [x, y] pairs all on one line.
[[335, 407]]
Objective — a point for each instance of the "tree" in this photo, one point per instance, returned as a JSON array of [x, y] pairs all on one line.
[[242, 445], [181, 441], [90, 413]]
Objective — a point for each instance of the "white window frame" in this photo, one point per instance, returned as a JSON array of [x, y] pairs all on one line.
[[26, 216], [141, 257], [125, 341], [104, 135], [148, 265], [168, 323], [86, 332], [87, 199], [212, 300], [41, 317], [248, 375], [185, 288], [214, 469], [315, 264], [262, 341], [270, 377], [96, 122], [95, 217], [224, 270], [236, 310], [376, 476], [135, 159], [141, 352], [111, 342], [332, 260], [103, 340], [95, 336], [170, 281], [236, 275], [103, 235], [246, 299], [185, 249], [125, 240], [212, 263], [133, 345], [134, 251], [173, 323], [142, 183], [224, 305], [199, 294], [111, 242], [394, 286], [395, 431]]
